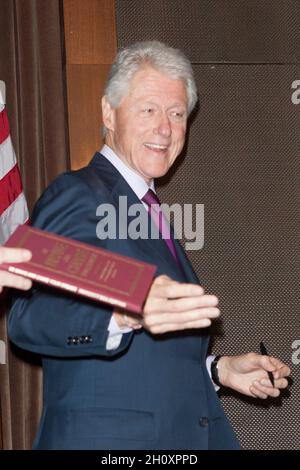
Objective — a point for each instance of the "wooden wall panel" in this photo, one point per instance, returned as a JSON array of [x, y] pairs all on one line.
[[90, 38], [90, 31], [85, 87]]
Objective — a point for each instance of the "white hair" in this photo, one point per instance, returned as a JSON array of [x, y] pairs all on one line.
[[167, 60]]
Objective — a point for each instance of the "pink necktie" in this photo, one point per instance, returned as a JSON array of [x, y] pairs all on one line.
[[158, 218]]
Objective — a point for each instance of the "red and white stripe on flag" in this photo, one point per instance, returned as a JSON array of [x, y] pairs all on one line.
[[13, 206]]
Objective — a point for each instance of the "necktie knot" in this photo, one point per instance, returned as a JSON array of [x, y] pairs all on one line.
[[150, 198]]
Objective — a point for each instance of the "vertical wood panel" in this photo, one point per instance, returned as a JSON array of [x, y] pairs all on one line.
[[90, 31], [90, 38], [85, 87]]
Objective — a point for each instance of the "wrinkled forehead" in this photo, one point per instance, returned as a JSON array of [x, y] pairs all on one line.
[[150, 81]]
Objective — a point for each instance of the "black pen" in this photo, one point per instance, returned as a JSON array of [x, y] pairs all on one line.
[[264, 352]]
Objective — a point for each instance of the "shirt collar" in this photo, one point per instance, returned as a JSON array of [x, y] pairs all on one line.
[[135, 181]]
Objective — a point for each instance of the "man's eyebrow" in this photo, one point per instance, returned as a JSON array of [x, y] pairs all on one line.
[[178, 105]]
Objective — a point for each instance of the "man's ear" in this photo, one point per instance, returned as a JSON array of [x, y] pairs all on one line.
[[108, 114]]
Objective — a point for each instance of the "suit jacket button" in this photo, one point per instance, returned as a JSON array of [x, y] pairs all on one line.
[[69, 340], [90, 339], [204, 421], [81, 339]]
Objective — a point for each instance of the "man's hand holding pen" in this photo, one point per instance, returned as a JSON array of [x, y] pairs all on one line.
[[249, 374], [264, 352]]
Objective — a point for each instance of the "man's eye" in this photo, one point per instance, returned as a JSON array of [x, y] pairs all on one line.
[[148, 110], [178, 115]]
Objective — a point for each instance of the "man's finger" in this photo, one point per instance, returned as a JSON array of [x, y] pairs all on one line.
[[267, 389], [14, 255], [190, 303], [282, 370], [168, 327], [11, 280], [182, 318], [176, 290]]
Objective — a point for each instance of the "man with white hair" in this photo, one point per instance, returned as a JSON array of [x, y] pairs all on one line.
[[114, 380]]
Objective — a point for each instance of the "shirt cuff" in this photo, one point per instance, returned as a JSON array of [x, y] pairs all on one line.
[[115, 333]]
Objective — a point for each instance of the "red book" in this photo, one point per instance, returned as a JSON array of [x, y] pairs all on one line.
[[82, 269]]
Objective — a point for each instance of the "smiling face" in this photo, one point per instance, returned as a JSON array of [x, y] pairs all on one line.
[[147, 130]]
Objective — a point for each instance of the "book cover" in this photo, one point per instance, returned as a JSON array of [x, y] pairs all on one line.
[[82, 269]]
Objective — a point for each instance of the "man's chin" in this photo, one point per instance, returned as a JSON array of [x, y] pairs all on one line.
[[159, 172]]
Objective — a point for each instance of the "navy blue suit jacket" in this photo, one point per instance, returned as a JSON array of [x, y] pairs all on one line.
[[152, 392]]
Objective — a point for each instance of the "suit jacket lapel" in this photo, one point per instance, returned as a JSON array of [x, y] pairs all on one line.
[[156, 246], [189, 272], [119, 187]]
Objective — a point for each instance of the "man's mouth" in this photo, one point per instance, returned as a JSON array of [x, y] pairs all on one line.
[[156, 147]]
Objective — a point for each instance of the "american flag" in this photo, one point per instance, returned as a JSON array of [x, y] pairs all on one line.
[[13, 206]]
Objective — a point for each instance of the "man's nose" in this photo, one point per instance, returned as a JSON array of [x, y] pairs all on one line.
[[164, 126]]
